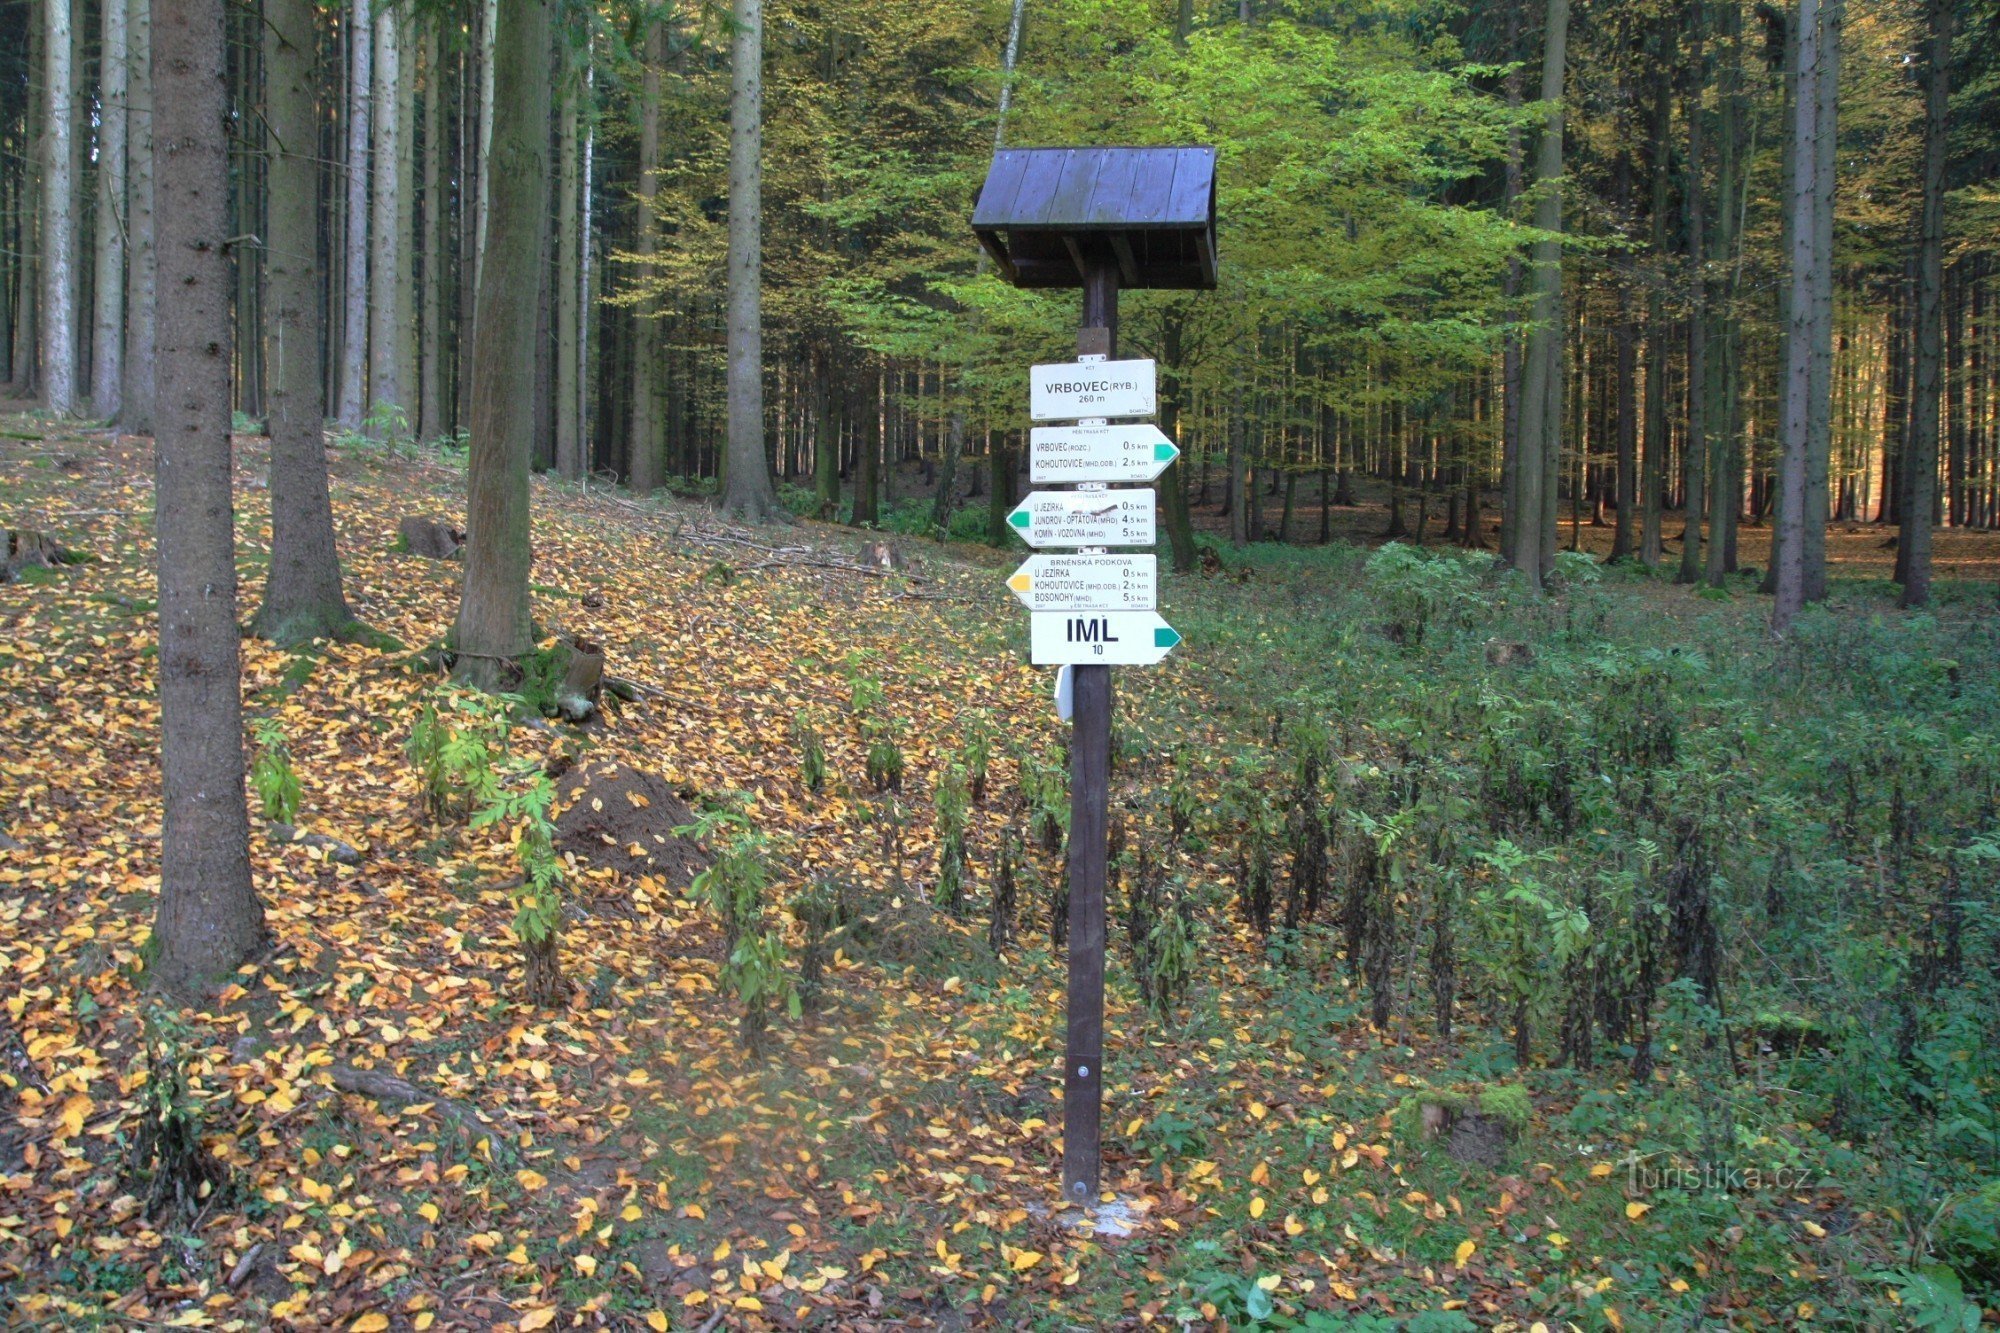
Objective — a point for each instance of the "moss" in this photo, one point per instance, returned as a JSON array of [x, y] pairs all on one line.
[[1507, 1103]]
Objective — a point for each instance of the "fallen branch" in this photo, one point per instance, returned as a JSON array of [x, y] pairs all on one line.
[[393, 1091], [339, 852], [238, 1274]]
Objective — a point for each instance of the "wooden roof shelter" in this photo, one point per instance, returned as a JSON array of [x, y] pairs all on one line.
[[1044, 212]]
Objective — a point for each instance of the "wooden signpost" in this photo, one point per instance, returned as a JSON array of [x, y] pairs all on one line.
[[1099, 219]]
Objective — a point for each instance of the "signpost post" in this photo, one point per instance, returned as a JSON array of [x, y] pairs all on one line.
[[1097, 218]]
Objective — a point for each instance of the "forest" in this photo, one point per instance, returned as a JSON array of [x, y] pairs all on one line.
[[529, 799]]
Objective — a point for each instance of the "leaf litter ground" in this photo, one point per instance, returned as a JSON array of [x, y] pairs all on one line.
[[411, 1147]]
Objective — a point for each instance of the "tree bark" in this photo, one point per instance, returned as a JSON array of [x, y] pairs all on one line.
[[107, 343], [352, 406], [386, 279], [302, 598], [58, 256], [209, 920], [644, 449], [136, 398], [569, 316], [1173, 482], [1533, 527], [1788, 538], [435, 244], [1924, 411], [1653, 467], [747, 490], [1826, 144], [1695, 454], [494, 628]]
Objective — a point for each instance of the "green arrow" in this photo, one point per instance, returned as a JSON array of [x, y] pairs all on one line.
[[1165, 636], [1019, 518], [1164, 452]]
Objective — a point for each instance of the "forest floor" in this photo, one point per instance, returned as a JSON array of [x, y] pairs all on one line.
[[620, 1161]]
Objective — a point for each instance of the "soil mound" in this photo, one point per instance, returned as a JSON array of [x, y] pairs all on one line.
[[614, 815]]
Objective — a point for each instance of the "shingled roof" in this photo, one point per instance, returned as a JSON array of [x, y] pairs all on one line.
[[1042, 209]]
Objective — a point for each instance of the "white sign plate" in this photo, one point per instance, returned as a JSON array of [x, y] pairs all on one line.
[[1088, 583], [1085, 518], [1099, 453], [1075, 390], [1099, 638]]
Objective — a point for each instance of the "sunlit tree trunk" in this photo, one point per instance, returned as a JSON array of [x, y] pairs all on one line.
[[107, 344], [302, 598], [493, 628], [209, 919], [352, 406], [747, 490], [58, 259], [1924, 411]]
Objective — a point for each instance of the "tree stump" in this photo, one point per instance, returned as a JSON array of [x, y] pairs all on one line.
[[28, 549], [576, 697], [430, 538]]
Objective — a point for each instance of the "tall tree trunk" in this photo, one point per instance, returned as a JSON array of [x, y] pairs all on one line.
[[1239, 498], [1793, 511], [1173, 482], [136, 409], [494, 628], [353, 406], [25, 370], [435, 233], [107, 343], [826, 434], [386, 279], [1658, 443], [1924, 413], [489, 23], [209, 918], [1826, 144], [644, 449], [302, 598], [569, 316], [747, 490], [1533, 528], [1510, 348], [1724, 413], [1694, 457], [867, 510], [58, 216]]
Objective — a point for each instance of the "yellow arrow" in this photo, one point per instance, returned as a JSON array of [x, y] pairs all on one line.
[[1021, 582]]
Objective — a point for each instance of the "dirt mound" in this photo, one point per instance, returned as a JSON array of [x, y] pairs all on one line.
[[614, 815]]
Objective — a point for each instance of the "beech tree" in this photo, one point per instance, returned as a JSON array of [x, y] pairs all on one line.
[[352, 404], [210, 920], [1919, 504], [136, 400], [107, 342]]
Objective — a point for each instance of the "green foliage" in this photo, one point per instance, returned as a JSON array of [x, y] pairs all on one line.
[[953, 807], [272, 776], [812, 753], [885, 762], [757, 976], [735, 880], [456, 744], [819, 913], [1044, 792], [166, 1160], [1418, 590]]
